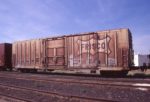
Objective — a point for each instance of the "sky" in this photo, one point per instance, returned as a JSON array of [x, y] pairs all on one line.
[[30, 19]]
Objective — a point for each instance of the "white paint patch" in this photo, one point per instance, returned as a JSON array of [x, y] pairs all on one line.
[[142, 84], [142, 89]]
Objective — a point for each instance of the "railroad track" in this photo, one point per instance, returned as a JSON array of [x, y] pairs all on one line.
[[94, 87], [70, 98], [8, 98], [112, 82], [78, 77]]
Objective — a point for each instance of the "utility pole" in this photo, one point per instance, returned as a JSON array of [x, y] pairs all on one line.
[[149, 60]]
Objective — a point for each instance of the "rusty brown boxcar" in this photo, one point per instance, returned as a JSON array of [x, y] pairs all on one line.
[[5, 56], [107, 51]]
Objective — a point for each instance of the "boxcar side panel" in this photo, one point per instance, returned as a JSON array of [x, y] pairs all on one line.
[[27, 54], [125, 48], [117, 50], [106, 49], [82, 52]]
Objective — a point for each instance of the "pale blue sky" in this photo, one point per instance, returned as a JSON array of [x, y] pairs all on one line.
[[29, 19]]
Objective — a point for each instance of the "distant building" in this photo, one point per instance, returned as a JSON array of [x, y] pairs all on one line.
[[141, 60]]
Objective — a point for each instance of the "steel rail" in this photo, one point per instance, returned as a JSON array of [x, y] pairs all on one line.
[[53, 93]]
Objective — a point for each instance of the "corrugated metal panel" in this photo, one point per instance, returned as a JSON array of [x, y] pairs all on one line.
[[27, 54]]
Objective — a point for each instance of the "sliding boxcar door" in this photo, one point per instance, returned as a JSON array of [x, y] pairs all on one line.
[[55, 53]]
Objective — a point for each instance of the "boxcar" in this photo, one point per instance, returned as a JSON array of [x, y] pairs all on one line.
[[106, 51], [5, 56]]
